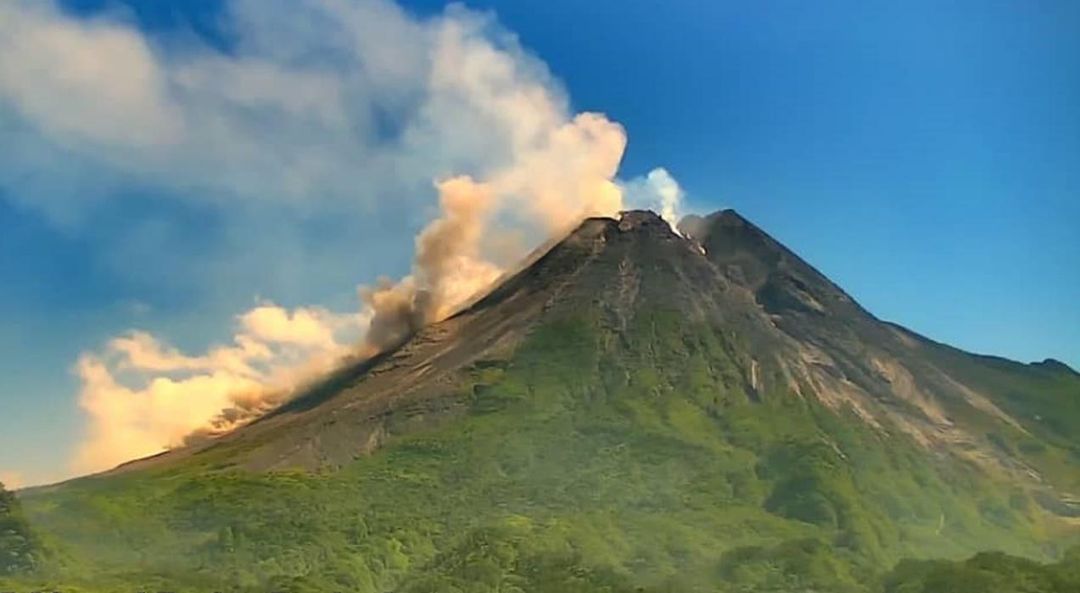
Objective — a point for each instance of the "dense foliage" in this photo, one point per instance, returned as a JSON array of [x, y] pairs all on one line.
[[986, 572], [19, 549], [582, 466]]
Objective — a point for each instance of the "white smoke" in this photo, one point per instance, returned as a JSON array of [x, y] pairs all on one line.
[[319, 106], [657, 190]]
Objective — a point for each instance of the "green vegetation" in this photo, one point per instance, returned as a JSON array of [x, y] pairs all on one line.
[[587, 463], [986, 572], [20, 551], [1044, 397]]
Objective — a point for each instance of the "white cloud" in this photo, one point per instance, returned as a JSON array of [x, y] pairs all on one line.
[[321, 101], [92, 82]]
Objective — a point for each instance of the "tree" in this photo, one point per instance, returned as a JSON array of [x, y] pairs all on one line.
[[19, 549]]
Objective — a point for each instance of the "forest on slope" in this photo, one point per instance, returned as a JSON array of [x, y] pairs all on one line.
[[577, 468]]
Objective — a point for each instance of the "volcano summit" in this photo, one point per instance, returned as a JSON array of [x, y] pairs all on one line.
[[637, 409]]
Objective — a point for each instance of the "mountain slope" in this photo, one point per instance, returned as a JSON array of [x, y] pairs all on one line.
[[941, 397], [633, 409]]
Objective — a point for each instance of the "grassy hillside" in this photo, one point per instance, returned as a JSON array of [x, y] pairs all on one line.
[[589, 461]]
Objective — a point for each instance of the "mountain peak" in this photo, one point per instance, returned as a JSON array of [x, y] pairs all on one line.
[[729, 223], [729, 216], [626, 380], [750, 257], [780, 328], [1052, 364], [635, 218]]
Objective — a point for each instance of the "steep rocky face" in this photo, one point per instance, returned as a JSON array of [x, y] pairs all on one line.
[[790, 331], [892, 377]]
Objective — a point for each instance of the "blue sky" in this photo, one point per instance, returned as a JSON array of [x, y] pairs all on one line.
[[924, 155]]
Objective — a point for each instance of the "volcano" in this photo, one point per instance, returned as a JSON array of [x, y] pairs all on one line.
[[637, 409]]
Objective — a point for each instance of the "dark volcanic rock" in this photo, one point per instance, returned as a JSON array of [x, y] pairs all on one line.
[[788, 328]]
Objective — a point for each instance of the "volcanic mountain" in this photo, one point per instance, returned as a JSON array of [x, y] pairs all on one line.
[[636, 409]]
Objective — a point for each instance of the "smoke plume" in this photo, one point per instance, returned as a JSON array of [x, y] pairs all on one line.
[[142, 395], [336, 107]]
